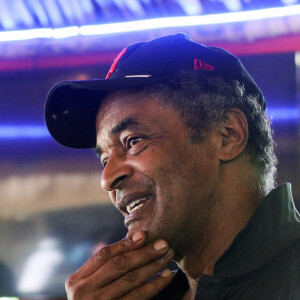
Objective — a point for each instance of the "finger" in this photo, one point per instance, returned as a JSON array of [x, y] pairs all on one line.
[[106, 253], [127, 262], [134, 279], [151, 288]]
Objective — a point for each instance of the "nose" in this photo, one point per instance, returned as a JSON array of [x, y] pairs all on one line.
[[116, 171]]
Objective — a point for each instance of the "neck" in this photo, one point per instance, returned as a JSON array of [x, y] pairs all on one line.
[[228, 217]]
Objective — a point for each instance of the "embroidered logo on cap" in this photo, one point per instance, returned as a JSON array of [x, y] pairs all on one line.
[[114, 65], [201, 65]]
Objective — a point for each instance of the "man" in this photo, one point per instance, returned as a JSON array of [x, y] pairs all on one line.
[[187, 157]]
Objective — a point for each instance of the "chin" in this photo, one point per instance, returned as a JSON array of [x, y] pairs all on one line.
[[151, 234]]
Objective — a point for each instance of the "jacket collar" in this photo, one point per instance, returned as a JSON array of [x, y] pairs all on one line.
[[274, 225]]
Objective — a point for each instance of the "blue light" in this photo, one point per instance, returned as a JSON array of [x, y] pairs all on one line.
[[21, 35], [149, 24], [41, 132], [65, 32], [284, 114], [190, 21], [23, 132]]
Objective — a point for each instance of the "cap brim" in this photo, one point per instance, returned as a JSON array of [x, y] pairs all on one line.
[[72, 106]]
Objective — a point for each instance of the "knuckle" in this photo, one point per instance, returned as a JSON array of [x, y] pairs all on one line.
[[125, 243], [70, 282], [74, 291], [81, 290], [130, 277], [118, 262], [103, 254]]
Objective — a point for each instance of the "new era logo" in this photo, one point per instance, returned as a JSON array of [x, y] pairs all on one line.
[[202, 65]]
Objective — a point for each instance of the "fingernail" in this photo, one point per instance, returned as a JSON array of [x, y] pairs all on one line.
[[137, 237], [166, 273], [160, 245]]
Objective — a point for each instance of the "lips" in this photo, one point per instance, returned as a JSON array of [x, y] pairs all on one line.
[[136, 204], [132, 205], [126, 202], [143, 211]]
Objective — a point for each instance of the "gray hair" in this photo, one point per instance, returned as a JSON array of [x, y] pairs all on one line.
[[203, 101]]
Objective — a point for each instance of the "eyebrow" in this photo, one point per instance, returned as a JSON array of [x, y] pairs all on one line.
[[127, 123]]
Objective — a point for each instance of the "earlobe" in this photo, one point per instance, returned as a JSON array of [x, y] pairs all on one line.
[[234, 134]]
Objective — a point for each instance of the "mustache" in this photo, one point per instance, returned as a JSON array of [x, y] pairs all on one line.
[[145, 185]]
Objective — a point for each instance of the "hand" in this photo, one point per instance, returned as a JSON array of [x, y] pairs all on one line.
[[123, 271]]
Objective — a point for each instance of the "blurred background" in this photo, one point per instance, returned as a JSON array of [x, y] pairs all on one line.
[[53, 213]]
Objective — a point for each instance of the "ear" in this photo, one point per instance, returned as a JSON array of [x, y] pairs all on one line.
[[234, 134]]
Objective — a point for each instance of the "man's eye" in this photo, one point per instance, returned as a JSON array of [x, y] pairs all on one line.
[[132, 141], [103, 163]]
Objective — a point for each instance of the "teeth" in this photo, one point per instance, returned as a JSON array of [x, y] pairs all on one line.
[[131, 206]]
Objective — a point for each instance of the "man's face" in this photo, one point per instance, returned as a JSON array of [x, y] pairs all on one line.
[[160, 182]]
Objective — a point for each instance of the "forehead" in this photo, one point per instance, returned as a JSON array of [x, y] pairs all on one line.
[[129, 103], [143, 110], [121, 103]]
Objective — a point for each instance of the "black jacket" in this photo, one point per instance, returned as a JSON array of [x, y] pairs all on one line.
[[263, 261]]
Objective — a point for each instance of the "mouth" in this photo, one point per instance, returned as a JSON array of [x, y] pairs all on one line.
[[134, 206], [138, 212]]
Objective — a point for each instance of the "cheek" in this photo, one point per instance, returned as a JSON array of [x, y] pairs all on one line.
[[146, 162], [156, 165], [170, 176], [185, 174]]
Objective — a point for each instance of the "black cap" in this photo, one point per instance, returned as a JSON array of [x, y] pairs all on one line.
[[72, 106]]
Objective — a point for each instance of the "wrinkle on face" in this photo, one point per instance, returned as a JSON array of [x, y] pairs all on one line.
[[180, 175]]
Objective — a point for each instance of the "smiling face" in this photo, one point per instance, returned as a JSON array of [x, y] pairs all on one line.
[[160, 182]]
